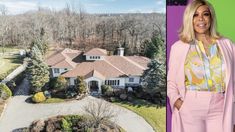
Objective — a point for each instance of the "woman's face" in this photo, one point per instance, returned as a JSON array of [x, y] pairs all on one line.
[[202, 20]]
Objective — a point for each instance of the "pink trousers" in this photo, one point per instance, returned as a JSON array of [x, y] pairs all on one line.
[[202, 111]]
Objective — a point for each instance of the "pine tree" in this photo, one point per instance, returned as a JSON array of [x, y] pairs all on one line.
[[37, 71], [154, 47], [154, 78]]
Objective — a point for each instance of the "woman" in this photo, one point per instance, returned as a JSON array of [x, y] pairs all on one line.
[[201, 74]]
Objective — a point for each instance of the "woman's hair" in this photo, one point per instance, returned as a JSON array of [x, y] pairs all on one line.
[[186, 32]]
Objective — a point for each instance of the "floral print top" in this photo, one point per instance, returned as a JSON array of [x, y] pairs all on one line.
[[204, 72]]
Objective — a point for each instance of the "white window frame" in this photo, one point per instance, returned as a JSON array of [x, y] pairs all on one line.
[[56, 70], [131, 79]]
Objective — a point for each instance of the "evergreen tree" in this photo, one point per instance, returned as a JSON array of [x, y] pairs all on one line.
[[41, 45], [154, 78], [154, 47], [37, 71], [81, 85]]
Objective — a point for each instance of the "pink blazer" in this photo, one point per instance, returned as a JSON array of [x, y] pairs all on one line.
[[176, 79]]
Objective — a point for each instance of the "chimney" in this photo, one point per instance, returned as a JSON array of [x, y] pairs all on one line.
[[120, 51]]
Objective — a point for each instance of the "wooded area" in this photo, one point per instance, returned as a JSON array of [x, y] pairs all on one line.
[[80, 30]]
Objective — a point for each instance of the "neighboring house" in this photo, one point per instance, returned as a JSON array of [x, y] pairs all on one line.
[[98, 68]]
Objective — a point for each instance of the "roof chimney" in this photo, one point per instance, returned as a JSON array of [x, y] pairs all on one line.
[[120, 51]]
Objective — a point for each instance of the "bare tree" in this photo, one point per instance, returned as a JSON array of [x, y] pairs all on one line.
[[100, 112]]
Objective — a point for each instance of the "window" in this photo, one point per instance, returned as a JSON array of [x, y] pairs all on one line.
[[131, 79], [65, 69], [112, 82], [98, 57], [90, 57], [56, 70]]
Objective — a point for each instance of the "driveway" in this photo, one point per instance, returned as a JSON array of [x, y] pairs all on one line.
[[20, 114]]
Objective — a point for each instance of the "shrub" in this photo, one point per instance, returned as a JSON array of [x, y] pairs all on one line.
[[60, 83], [66, 126], [70, 94], [47, 94], [106, 89], [52, 83], [81, 85], [118, 91], [5, 92], [38, 97], [11, 85]]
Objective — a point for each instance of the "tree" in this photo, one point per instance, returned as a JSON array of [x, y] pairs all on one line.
[[81, 85], [99, 111], [60, 83], [154, 47], [37, 71], [154, 78]]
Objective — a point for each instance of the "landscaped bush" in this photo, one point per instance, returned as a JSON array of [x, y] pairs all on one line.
[[52, 83], [117, 92], [11, 85], [66, 126], [71, 93], [107, 90], [81, 85], [60, 83], [5, 92], [47, 94], [38, 97], [72, 123]]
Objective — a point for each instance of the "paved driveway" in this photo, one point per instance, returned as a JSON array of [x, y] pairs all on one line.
[[20, 114]]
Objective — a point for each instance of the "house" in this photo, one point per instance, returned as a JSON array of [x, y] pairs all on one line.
[[98, 68]]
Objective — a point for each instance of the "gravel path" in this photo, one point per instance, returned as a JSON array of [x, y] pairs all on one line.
[[20, 114]]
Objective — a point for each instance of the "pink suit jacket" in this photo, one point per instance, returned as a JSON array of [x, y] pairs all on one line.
[[176, 79]]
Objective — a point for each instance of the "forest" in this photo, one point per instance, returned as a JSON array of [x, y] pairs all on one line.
[[74, 28]]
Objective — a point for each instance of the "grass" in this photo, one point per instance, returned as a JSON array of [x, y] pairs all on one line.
[[8, 64], [53, 100], [2, 103], [155, 116], [8, 49]]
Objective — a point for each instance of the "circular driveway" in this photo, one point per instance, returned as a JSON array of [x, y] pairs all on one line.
[[20, 114]]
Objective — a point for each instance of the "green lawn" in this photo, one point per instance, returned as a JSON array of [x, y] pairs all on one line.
[[8, 64], [8, 49], [53, 100], [155, 116]]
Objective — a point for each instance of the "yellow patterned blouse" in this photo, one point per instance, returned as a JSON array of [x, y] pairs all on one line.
[[204, 72]]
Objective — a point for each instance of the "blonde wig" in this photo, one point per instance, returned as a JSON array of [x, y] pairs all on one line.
[[186, 32]]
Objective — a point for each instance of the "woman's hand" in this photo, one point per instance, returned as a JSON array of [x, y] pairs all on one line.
[[178, 103]]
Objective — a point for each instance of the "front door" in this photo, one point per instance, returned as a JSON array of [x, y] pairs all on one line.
[[94, 86]]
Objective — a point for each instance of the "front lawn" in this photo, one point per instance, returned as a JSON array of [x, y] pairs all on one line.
[[2, 104], [8, 49], [155, 116], [8, 64], [53, 100]]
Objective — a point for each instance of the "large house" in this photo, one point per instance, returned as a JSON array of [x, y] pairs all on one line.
[[98, 68]]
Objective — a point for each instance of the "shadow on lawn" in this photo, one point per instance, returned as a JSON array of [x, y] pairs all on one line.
[[15, 59], [138, 103]]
